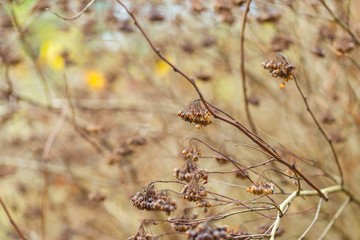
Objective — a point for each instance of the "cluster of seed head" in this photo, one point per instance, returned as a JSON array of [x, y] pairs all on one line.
[[205, 231], [196, 113], [193, 192], [261, 189], [203, 203], [193, 153], [151, 199], [280, 67], [141, 234], [190, 171], [182, 223]]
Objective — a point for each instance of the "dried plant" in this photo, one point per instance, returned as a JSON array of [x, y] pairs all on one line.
[[269, 157]]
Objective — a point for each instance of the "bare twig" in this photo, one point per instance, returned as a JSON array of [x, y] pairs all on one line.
[[321, 130], [255, 138], [76, 16], [313, 221], [21, 235], [332, 221], [242, 66], [284, 206]]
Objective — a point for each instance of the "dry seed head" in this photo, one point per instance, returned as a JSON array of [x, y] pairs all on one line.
[[141, 234], [261, 189], [190, 171], [151, 199], [193, 192], [280, 67], [182, 222], [204, 231], [196, 113], [193, 153]]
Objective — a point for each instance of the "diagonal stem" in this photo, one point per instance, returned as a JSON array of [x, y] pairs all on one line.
[[255, 138], [328, 140]]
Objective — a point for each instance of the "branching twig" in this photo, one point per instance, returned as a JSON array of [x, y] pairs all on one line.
[[255, 138], [284, 206], [321, 130]]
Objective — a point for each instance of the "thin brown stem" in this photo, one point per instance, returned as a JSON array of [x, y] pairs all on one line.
[[242, 67], [328, 140], [17, 229], [255, 138]]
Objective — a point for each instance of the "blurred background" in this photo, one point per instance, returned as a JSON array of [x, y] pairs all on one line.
[[88, 112]]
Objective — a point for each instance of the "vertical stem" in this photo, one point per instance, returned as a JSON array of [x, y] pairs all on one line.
[[242, 67]]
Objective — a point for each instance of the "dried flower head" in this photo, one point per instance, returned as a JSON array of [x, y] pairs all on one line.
[[196, 113], [182, 222], [281, 67], [206, 231], [261, 188], [141, 233], [193, 192], [152, 199], [192, 152], [190, 171]]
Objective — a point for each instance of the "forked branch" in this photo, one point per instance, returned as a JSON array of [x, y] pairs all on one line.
[[255, 138]]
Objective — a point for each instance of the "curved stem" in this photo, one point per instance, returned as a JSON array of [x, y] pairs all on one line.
[[242, 67], [255, 138]]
